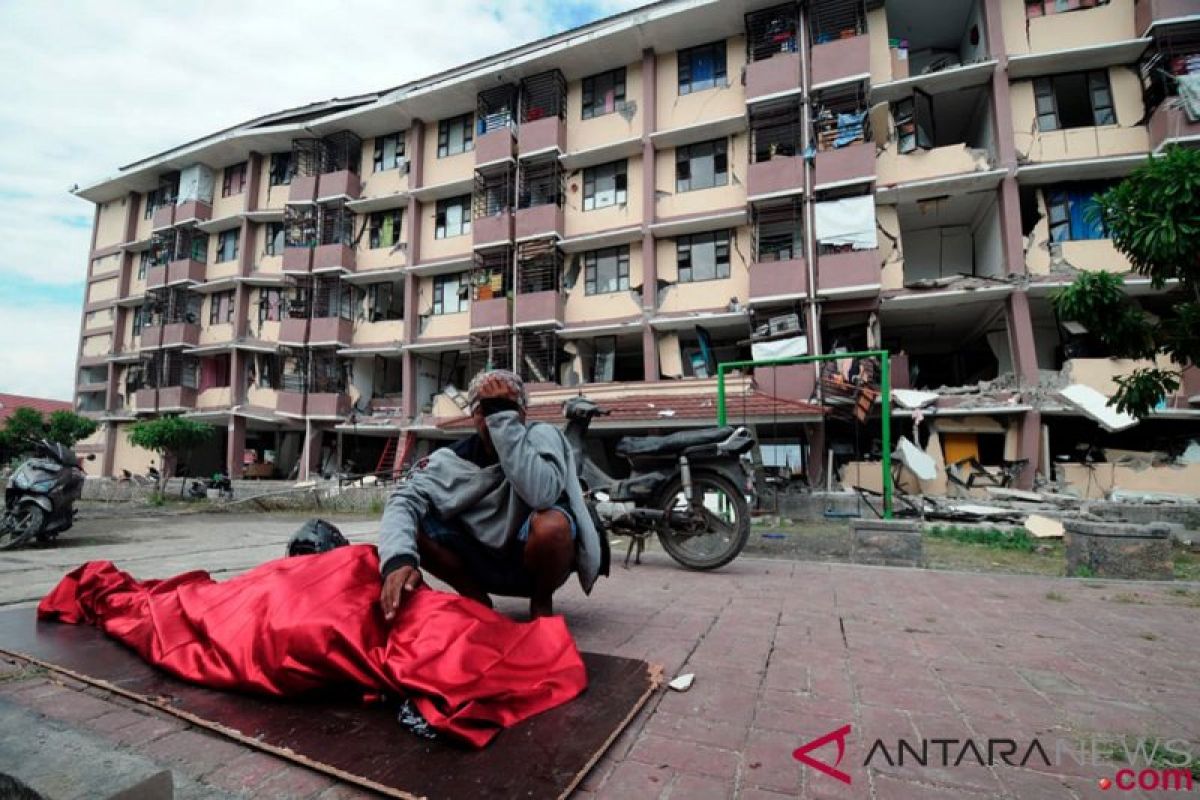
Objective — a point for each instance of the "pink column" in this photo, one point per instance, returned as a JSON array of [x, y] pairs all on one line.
[[408, 386], [649, 249], [235, 446]]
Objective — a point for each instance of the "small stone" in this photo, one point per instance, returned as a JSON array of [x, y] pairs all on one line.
[[683, 682]]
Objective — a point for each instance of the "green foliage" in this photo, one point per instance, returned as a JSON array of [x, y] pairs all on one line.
[[22, 427], [67, 427], [1084, 571], [1016, 539], [170, 437], [1153, 218]]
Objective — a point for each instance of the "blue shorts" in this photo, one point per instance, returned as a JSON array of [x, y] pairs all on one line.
[[498, 571]]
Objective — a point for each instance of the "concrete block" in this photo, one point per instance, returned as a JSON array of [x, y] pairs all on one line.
[[1119, 550], [893, 543]]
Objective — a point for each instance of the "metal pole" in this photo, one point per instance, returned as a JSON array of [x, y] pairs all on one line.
[[885, 409], [721, 394]]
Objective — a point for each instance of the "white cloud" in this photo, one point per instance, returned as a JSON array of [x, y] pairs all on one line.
[[89, 87]]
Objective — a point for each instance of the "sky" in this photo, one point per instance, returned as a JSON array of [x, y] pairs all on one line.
[[91, 86]]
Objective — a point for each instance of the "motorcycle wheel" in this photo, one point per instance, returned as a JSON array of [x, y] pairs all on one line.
[[726, 524], [23, 524]]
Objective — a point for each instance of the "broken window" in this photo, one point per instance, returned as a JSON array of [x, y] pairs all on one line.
[[282, 169], [702, 256], [702, 67], [450, 294], [227, 245], [453, 217], [774, 129], [389, 152], [220, 308], [541, 184], [772, 31], [1072, 212], [914, 122], [233, 181], [702, 165], [606, 270], [603, 93], [779, 231], [455, 135], [1075, 100], [604, 185], [543, 96], [489, 278], [385, 301], [384, 228]]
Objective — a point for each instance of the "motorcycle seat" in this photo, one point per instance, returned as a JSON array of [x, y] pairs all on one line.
[[672, 444]]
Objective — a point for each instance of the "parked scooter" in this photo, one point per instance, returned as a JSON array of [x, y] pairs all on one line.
[[689, 488], [219, 482], [39, 499]]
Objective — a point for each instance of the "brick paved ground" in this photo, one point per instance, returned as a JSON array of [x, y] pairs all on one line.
[[782, 652]]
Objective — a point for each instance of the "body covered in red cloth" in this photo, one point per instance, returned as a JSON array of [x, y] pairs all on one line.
[[300, 624]]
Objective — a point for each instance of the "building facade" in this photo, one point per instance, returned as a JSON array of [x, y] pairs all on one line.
[[618, 208]]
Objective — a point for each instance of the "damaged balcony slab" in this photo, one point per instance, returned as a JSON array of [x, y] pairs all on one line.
[[947, 80], [1076, 59], [913, 191], [1081, 169]]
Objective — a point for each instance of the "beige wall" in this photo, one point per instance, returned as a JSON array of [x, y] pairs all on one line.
[[731, 195], [102, 290], [269, 196], [127, 456], [583, 309], [97, 345], [437, 326], [263, 398], [1095, 481], [1099, 373], [368, 258], [99, 319], [216, 397], [705, 294], [451, 168], [893, 167], [881, 55], [391, 330], [579, 222], [1090, 255], [891, 255], [677, 111], [110, 227], [1126, 137], [145, 227], [263, 262], [227, 206], [1113, 22], [212, 334], [584, 134], [433, 249], [390, 181], [108, 265]]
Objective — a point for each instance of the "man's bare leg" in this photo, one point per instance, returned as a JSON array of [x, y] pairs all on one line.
[[444, 564], [549, 556]]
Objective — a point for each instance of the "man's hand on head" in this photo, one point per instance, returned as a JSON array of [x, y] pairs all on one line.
[[404, 579], [494, 387]]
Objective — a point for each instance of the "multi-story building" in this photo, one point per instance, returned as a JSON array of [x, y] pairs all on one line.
[[619, 207]]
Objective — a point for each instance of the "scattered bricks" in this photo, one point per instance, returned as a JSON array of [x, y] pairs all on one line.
[[893, 543], [1118, 550]]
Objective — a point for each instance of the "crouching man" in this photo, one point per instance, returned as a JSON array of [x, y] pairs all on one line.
[[501, 512]]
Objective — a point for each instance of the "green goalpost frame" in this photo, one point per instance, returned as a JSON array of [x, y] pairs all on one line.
[[885, 401]]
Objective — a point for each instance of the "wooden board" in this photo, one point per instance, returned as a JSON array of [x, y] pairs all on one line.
[[543, 757]]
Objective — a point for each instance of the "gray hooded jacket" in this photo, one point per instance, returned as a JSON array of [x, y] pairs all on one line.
[[536, 467]]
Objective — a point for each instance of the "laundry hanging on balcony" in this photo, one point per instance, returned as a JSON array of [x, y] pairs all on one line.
[[850, 221]]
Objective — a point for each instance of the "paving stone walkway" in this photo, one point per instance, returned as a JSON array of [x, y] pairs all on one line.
[[783, 652]]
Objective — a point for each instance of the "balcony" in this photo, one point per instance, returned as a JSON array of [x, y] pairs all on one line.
[[1147, 12], [183, 270], [323, 405], [341, 185], [164, 217], [777, 75], [494, 146], [543, 220], [778, 280], [330, 331], [495, 228], [841, 59], [156, 276], [539, 308], [791, 382], [173, 334], [293, 331], [1170, 123], [165, 398], [495, 312], [297, 259], [851, 273], [543, 113], [541, 135], [777, 176], [192, 211], [303, 189], [327, 257], [849, 164]]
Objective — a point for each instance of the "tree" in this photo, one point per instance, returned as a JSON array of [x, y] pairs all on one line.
[[24, 425], [170, 437], [67, 427], [1153, 217]]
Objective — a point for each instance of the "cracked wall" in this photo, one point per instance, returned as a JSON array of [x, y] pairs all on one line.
[[1043, 257]]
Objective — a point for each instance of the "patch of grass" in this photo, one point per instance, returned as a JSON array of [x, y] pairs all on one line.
[[157, 500], [1015, 539], [1154, 753], [376, 506], [1187, 563], [1057, 597], [1084, 571]]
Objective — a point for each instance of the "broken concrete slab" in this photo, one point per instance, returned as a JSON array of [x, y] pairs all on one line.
[[911, 398], [1043, 527], [916, 459], [1000, 493], [1094, 405]]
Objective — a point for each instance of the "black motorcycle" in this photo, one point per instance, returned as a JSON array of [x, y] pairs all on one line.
[[689, 488], [39, 500]]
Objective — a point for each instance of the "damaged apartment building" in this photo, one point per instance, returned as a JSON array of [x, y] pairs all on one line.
[[619, 208]]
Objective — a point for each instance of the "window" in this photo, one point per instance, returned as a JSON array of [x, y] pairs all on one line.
[[603, 93], [234, 180], [702, 256], [702, 67], [198, 247], [450, 293], [220, 309], [604, 186], [453, 217], [282, 169], [139, 319], [1071, 217], [914, 122], [1039, 8], [389, 152], [385, 301], [385, 228], [606, 270], [270, 305], [1075, 100], [702, 165], [455, 135], [779, 233], [227, 245], [267, 367], [275, 238], [144, 259]]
